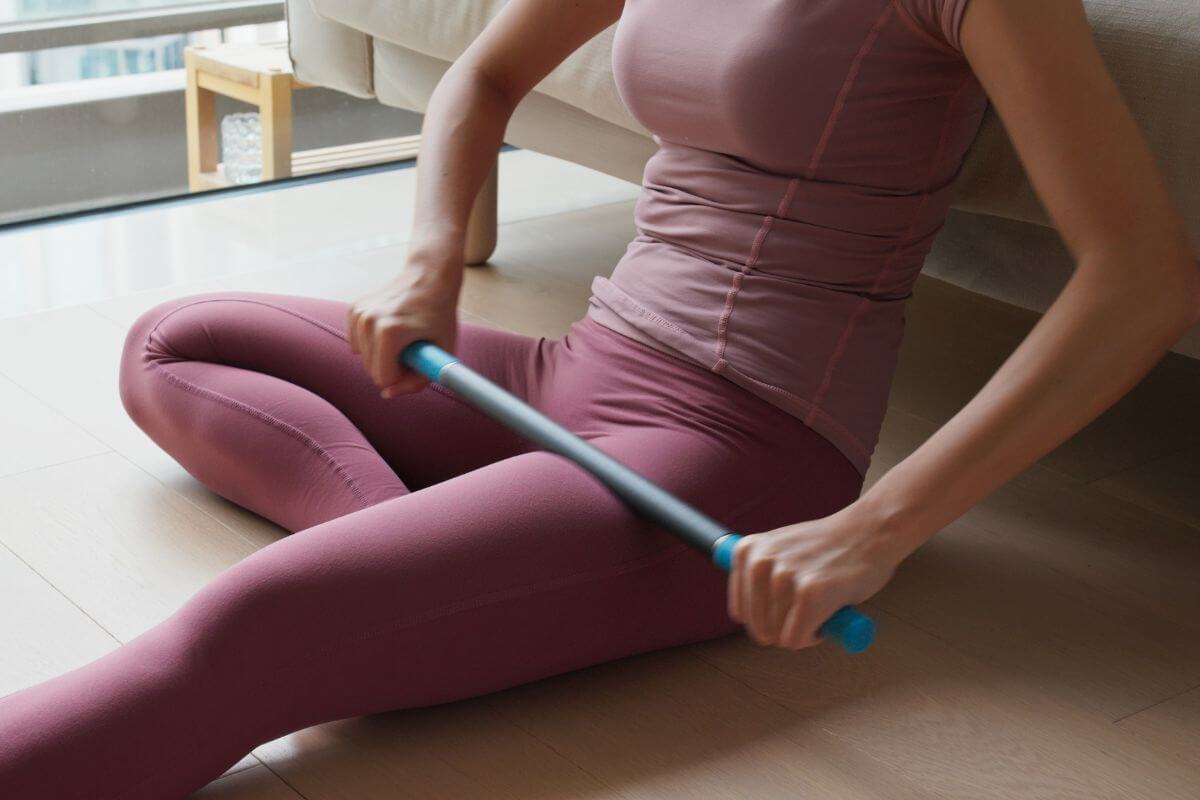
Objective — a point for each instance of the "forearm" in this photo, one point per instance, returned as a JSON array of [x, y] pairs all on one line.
[[1097, 340], [462, 132]]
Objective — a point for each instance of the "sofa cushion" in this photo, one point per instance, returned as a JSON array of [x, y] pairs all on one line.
[[406, 78], [1152, 47], [444, 29]]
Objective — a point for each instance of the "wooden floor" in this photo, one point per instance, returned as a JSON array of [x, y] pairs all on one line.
[[1046, 645]]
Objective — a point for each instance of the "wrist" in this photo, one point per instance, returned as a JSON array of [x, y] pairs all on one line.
[[432, 278], [437, 244], [894, 517]]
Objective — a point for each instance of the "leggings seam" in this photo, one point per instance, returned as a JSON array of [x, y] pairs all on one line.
[[523, 444], [488, 599], [316, 322], [614, 294], [286, 428], [813, 412], [291, 312], [339, 469]]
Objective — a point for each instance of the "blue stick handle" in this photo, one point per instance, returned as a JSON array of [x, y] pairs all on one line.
[[849, 628]]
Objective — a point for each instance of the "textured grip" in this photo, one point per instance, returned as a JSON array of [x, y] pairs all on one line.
[[426, 359], [852, 629]]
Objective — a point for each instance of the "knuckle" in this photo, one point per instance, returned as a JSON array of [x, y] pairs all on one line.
[[804, 593], [389, 325], [741, 560], [760, 559], [818, 585], [782, 580]]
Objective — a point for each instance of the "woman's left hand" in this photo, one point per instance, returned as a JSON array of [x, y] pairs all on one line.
[[785, 583]]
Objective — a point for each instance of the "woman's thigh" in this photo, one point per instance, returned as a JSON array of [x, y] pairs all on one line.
[[518, 570], [515, 571]]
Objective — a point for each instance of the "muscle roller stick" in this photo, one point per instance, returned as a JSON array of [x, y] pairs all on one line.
[[848, 627]]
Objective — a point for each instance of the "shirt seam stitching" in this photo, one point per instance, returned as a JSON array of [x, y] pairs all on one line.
[[852, 321], [835, 113]]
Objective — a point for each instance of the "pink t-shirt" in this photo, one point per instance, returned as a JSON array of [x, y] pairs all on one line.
[[807, 150]]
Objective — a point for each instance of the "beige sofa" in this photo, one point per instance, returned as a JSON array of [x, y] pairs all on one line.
[[997, 240]]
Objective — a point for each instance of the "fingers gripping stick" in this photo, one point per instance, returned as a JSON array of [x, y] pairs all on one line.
[[849, 628]]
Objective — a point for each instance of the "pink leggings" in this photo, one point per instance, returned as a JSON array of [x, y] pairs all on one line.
[[435, 556]]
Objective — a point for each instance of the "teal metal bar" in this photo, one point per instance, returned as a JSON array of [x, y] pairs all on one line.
[[850, 628]]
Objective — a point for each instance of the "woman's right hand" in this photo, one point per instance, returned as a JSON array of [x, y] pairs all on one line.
[[419, 303]]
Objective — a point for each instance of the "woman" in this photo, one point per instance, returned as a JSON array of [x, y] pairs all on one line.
[[740, 355]]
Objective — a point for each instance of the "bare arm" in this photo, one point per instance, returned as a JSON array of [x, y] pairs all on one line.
[[469, 110], [461, 134], [1134, 292]]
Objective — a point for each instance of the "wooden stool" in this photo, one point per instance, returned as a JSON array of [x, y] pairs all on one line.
[[261, 75]]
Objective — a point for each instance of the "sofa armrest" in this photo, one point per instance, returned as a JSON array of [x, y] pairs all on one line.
[[327, 53]]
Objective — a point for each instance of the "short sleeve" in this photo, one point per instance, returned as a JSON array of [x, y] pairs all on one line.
[[940, 18]]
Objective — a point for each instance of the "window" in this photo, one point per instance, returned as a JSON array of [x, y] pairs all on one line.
[[92, 99]]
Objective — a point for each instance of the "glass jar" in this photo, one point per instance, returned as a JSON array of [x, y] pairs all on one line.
[[241, 147]]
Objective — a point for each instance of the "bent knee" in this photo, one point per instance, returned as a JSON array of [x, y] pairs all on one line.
[[161, 334]]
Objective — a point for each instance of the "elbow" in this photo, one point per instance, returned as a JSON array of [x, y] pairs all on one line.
[[501, 89], [1166, 280]]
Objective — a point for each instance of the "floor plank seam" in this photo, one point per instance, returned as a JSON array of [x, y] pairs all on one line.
[[26, 391], [824, 729], [777, 703], [281, 779], [1080, 484], [1174, 451], [244, 768], [109, 451], [193, 504], [63, 594], [516, 724], [112, 449], [455, 769], [1175, 696]]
